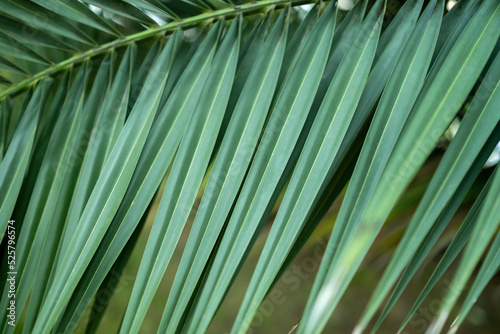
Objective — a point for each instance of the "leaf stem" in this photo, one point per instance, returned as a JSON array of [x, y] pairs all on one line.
[[244, 9]]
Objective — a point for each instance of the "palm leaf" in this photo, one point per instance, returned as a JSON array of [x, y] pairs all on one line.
[[118, 171], [256, 125], [185, 178]]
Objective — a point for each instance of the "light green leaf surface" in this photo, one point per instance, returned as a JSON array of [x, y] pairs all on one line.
[[108, 125], [475, 128], [107, 195], [432, 113], [488, 222], [41, 18], [282, 131], [314, 123], [461, 237], [185, 179], [325, 138], [15, 162], [440, 225], [228, 172], [158, 153], [42, 203], [488, 269], [75, 10]]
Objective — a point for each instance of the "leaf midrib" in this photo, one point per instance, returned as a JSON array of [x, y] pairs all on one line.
[[245, 9]]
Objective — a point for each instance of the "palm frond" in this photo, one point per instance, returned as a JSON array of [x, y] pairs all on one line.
[[126, 122]]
